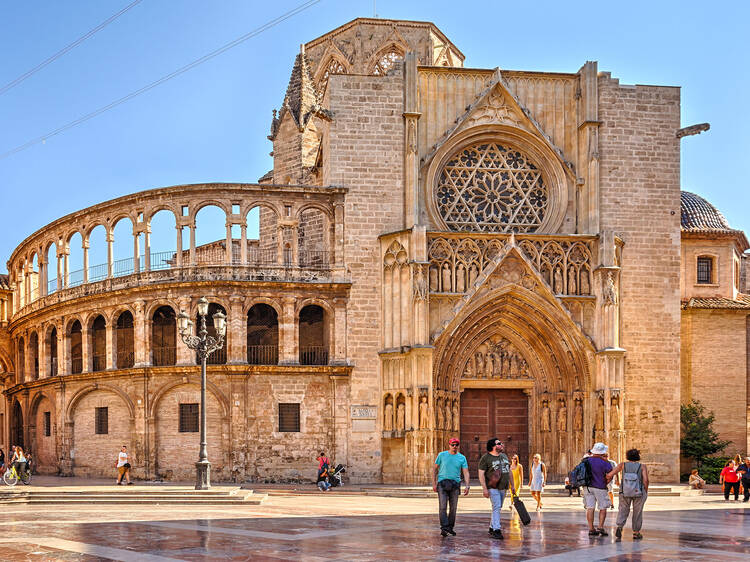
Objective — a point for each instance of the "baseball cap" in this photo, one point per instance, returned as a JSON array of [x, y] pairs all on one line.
[[453, 440]]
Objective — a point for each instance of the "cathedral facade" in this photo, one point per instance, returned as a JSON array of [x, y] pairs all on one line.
[[442, 251]]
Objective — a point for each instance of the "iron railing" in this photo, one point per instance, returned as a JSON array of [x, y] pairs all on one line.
[[163, 356], [262, 354], [125, 359], [100, 362], [76, 365], [218, 357], [313, 258], [313, 355]]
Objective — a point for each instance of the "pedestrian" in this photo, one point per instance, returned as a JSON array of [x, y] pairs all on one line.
[[634, 491], [612, 482], [2, 460], [449, 466], [537, 479], [323, 472], [595, 492], [495, 477], [516, 470], [695, 481], [123, 466], [731, 481], [744, 471]]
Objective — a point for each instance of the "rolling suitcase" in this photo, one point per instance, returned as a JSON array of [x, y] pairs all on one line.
[[523, 514]]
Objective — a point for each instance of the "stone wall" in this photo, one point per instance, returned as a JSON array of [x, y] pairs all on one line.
[[640, 201], [366, 155]]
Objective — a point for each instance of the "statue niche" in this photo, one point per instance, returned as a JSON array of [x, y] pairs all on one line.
[[496, 358]]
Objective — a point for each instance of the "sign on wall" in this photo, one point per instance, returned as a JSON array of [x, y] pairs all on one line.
[[364, 418]]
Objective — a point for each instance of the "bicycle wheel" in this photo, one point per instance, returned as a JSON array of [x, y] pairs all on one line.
[[10, 478]]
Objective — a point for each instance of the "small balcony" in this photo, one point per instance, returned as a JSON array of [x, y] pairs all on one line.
[[313, 355], [262, 355]]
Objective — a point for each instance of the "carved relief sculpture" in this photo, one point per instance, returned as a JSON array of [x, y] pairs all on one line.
[[448, 415], [609, 294], [460, 278], [578, 414], [424, 414], [455, 415], [388, 417], [420, 284], [496, 357], [614, 412], [446, 288], [562, 416], [440, 419], [599, 421], [401, 417], [545, 416]]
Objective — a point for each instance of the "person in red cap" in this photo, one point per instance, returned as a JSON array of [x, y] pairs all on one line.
[[446, 481]]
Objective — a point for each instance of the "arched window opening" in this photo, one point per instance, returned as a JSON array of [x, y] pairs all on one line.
[[34, 355], [75, 260], [76, 348], [163, 244], [122, 248], [313, 344], [387, 60], [262, 335], [34, 292], [52, 268], [164, 337], [311, 238], [21, 360], [491, 187], [98, 254], [99, 344], [262, 236], [52, 346], [211, 236], [125, 357], [218, 357], [334, 66]]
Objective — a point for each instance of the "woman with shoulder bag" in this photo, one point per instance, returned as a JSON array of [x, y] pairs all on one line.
[[633, 490], [123, 466]]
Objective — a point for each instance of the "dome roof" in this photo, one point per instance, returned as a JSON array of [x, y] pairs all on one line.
[[697, 214]]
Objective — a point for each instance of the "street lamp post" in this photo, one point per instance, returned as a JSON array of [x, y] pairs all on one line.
[[204, 345]]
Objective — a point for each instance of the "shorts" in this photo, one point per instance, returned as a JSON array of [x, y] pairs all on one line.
[[594, 496]]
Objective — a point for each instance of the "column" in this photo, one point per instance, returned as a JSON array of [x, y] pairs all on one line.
[[136, 253], [61, 353], [43, 276], [229, 243], [411, 163], [178, 253], [236, 332], [243, 244], [85, 246], [86, 355], [338, 243], [192, 244], [110, 253], [288, 344], [66, 265], [141, 336], [43, 347], [60, 272], [339, 332], [109, 341], [147, 247], [184, 355]]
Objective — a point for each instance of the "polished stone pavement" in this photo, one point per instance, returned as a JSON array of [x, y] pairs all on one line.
[[335, 527]]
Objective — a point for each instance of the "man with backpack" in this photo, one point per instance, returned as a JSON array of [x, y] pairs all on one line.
[[634, 490], [494, 476], [591, 475]]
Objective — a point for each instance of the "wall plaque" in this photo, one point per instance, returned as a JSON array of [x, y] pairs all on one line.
[[364, 412]]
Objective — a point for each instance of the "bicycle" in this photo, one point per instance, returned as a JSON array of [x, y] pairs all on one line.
[[11, 476]]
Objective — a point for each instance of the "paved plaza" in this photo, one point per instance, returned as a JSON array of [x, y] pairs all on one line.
[[333, 526]]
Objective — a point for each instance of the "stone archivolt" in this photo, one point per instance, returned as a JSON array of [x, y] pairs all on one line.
[[496, 358]]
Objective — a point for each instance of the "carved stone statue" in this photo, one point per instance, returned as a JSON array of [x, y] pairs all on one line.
[[440, 421], [558, 286], [578, 415], [401, 417], [599, 422], [448, 415], [434, 280], [388, 417], [585, 290], [455, 415], [469, 369], [609, 294], [447, 286], [572, 281], [545, 415], [420, 285], [614, 413], [479, 363], [562, 416], [460, 278], [424, 413], [489, 365], [473, 272]]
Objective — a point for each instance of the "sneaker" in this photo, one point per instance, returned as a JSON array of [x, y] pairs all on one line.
[[593, 533], [497, 534], [490, 531], [443, 533], [637, 536], [602, 532], [452, 532], [618, 532]]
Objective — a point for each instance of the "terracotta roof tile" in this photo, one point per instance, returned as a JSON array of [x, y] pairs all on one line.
[[741, 303], [698, 215], [4, 282]]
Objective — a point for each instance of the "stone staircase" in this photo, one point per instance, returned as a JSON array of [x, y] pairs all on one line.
[[130, 496]]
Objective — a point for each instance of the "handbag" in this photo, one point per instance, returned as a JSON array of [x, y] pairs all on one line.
[[493, 479], [126, 465]]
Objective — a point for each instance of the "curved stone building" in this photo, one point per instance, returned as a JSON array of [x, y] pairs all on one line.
[[439, 251]]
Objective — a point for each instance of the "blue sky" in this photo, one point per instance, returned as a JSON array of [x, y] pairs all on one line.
[[210, 124]]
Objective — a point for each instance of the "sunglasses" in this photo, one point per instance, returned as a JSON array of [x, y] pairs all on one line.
[[454, 444]]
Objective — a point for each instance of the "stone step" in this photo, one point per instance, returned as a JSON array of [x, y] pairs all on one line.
[[233, 496]]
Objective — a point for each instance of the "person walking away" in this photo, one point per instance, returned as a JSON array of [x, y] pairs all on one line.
[[123, 466], [495, 477], [537, 479], [449, 466], [730, 480], [595, 493], [633, 491], [516, 471], [696, 482], [744, 472], [612, 482]]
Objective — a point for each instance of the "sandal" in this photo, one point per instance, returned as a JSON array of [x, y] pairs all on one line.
[[593, 533], [637, 536], [602, 532]]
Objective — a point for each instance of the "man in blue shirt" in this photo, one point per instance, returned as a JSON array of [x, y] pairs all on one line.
[[446, 481]]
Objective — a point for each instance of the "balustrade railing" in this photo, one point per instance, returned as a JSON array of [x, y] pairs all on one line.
[[218, 357], [313, 355], [125, 359], [262, 354], [99, 362], [313, 258], [76, 365], [164, 356]]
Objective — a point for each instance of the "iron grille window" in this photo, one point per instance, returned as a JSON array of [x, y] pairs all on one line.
[[189, 418], [101, 422], [47, 424], [705, 267], [289, 418]]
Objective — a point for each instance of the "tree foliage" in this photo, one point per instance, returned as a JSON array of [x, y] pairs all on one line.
[[699, 439]]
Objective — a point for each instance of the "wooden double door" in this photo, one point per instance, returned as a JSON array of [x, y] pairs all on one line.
[[488, 413]]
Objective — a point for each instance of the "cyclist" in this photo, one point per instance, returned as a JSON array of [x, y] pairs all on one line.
[[19, 461]]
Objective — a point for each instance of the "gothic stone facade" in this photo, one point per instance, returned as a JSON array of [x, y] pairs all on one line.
[[442, 251]]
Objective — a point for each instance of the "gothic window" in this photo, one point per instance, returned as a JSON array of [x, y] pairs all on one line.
[[387, 60], [705, 270], [492, 188], [334, 66], [188, 418], [101, 421]]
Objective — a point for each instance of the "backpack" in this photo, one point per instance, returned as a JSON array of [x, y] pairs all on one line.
[[632, 485], [581, 474]]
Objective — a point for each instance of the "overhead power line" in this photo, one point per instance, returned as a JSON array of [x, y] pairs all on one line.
[[257, 31], [64, 50]]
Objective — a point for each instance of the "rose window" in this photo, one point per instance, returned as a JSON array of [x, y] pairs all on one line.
[[492, 188], [387, 61]]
